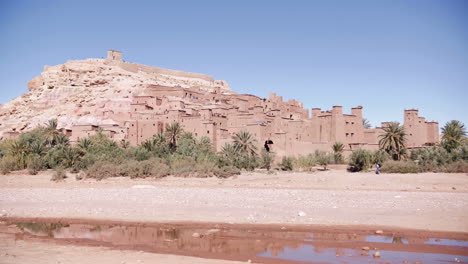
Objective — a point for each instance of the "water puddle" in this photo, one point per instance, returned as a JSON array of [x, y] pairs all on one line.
[[258, 243]]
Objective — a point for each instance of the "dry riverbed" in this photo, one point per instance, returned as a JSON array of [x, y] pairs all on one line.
[[429, 201]]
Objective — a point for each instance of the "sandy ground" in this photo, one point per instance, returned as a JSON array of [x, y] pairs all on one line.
[[429, 201]]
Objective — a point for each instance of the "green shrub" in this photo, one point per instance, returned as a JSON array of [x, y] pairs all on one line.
[[360, 160], [380, 156], [457, 167], [59, 175], [392, 166], [103, 169], [182, 166], [7, 164], [35, 164], [323, 158], [266, 159], [287, 163], [305, 163]]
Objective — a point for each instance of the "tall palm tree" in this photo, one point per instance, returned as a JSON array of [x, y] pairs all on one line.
[[173, 131], [338, 149], [453, 134], [244, 142], [51, 131], [393, 140]]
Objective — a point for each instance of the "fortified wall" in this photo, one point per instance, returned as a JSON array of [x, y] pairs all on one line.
[[133, 102]]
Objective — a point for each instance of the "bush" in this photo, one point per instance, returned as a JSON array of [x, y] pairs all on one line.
[[457, 167], [305, 163], [182, 166], [7, 164], [103, 169], [380, 156], [58, 175], [287, 163], [323, 158], [35, 164], [266, 159], [392, 166], [360, 160]]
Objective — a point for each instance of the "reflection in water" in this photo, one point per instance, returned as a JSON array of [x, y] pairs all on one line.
[[244, 243], [387, 239]]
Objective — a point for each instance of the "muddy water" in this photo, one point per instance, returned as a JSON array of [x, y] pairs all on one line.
[[263, 244]]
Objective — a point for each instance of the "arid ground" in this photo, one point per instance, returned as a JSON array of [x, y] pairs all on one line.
[[426, 201]]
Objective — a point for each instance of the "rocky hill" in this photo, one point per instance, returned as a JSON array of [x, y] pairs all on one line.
[[73, 92]]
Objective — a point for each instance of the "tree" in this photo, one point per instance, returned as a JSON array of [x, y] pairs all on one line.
[[393, 140], [156, 144], [453, 134], [20, 150], [173, 131], [51, 131], [84, 144], [338, 149], [366, 123], [244, 142]]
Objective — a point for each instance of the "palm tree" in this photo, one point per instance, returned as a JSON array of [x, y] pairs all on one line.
[[338, 149], [51, 131], [173, 131], [71, 157], [84, 143], [20, 150], [453, 133], [393, 140], [38, 147], [61, 140], [244, 142], [156, 143], [366, 123]]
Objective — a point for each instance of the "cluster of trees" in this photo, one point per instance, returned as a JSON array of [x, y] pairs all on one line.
[[451, 155], [172, 152], [177, 152]]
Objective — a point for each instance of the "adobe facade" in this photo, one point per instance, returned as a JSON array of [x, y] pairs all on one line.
[[133, 102]]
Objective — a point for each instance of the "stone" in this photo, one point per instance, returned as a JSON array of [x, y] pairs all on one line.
[[301, 213], [379, 232], [365, 248], [196, 235], [212, 231], [376, 254]]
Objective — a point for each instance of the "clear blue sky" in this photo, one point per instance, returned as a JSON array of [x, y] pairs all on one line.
[[383, 55]]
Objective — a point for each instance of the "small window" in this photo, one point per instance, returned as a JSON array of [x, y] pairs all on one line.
[[207, 131], [347, 134]]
